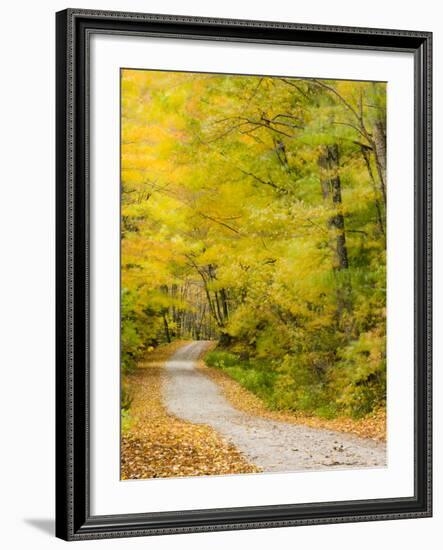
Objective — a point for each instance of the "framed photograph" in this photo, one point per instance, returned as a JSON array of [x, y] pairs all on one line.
[[243, 274]]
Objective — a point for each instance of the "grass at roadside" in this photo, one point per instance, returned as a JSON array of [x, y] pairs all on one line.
[[251, 390], [156, 444]]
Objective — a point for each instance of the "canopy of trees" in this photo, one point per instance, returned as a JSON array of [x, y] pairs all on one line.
[[254, 212]]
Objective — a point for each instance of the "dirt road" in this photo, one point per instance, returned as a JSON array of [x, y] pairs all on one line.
[[269, 444]]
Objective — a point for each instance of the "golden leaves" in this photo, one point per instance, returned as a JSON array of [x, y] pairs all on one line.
[[160, 445]]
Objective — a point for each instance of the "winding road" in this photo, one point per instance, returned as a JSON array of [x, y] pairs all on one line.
[[273, 446]]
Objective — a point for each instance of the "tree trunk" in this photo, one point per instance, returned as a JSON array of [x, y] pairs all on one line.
[[380, 218], [379, 141], [225, 340], [224, 300], [167, 333], [219, 313], [331, 190]]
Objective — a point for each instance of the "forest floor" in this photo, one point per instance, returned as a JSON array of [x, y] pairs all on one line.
[[187, 419], [158, 444]]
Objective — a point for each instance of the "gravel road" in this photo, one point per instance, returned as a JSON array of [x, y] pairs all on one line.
[[272, 445]]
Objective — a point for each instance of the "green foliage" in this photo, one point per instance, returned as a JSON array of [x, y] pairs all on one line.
[[139, 329], [221, 359], [126, 421], [295, 386], [360, 379], [256, 376], [126, 396], [125, 404]]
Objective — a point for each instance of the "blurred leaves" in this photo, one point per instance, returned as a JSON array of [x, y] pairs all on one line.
[[230, 230]]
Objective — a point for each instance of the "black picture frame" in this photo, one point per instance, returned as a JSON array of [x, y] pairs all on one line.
[[73, 518]]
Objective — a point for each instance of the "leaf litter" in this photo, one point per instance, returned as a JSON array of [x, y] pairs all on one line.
[[159, 445]]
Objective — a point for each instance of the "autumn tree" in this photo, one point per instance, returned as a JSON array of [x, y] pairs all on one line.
[[254, 213]]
